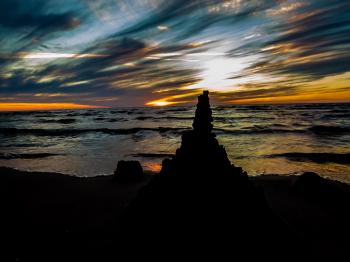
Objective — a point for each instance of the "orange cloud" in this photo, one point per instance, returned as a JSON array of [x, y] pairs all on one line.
[[42, 106], [335, 97]]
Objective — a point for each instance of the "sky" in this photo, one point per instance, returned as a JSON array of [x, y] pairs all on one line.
[[57, 54]]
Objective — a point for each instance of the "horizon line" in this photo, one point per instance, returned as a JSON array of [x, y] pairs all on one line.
[[86, 107]]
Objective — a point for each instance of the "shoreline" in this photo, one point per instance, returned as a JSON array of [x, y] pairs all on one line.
[[148, 172]]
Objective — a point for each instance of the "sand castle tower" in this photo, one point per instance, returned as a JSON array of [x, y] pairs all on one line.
[[202, 123], [200, 203], [200, 153]]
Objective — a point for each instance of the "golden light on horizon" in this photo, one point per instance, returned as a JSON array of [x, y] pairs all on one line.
[[42, 106], [166, 101], [160, 103], [314, 92], [339, 97]]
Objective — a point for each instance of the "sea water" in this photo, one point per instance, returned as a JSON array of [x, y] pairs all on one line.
[[259, 138]]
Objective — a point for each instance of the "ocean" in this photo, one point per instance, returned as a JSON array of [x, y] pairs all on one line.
[[262, 139]]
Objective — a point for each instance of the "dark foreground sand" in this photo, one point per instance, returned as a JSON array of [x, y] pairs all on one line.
[[317, 210], [47, 211], [59, 213]]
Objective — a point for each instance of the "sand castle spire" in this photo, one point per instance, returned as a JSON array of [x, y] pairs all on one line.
[[200, 153], [202, 123]]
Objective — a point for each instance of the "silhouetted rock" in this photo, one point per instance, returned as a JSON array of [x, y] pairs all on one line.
[[319, 189], [307, 181], [128, 172], [200, 204]]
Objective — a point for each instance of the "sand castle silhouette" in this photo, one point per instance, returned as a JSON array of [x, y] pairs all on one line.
[[201, 204]]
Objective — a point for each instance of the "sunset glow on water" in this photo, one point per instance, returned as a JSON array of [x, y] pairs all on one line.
[[90, 142]]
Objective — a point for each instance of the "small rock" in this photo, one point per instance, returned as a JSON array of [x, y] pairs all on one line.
[[128, 172]]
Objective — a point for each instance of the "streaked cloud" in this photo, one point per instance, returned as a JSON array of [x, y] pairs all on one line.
[[56, 55], [156, 52]]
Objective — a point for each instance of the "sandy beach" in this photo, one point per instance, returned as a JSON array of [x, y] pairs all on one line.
[[84, 212]]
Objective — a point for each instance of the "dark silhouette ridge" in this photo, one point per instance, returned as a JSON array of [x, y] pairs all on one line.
[[200, 204]]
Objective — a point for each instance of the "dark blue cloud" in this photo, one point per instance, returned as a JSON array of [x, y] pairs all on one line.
[[105, 75], [315, 41]]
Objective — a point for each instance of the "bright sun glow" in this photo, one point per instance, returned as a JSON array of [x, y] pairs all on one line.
[[218, 74]]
